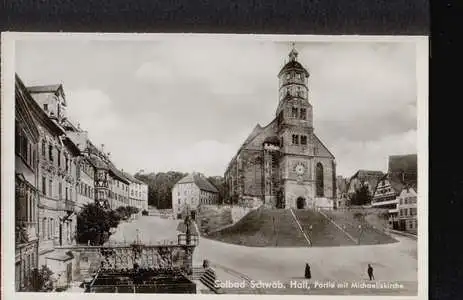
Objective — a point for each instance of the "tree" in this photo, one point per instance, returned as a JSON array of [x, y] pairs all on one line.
[[361, 196], [160, 187], [219, 183], [94, 223]]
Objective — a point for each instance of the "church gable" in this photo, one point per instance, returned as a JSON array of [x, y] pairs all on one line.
[[256, 142], [320, 149]]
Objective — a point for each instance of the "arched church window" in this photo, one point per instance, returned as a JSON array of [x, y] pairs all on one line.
[[303, 140], [319, 180], [294, 112]]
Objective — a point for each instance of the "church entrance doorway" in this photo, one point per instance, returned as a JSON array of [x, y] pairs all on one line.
[[300, 203]]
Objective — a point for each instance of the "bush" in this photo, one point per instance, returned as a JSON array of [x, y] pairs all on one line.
[[126, 211], [144, 212], [40, 280]]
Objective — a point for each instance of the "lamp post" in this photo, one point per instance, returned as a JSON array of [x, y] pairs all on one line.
[[360, 235], [310, 233]]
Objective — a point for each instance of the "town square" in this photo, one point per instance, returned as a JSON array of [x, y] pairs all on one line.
[[216, 165]]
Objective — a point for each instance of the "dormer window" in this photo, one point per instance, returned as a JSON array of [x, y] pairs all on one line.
[[288, 76], [45, 107]]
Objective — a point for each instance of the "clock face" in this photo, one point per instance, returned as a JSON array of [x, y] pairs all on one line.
[[300, 169]]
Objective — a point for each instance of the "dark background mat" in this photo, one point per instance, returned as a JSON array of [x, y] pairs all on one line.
[[372, 17]]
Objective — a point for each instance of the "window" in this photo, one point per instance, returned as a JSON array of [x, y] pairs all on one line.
[[303, 140], [59, 158], [44, 226], [50, 187], [43, 148], [45, 107], [288, 76], [319, 180], [67, 191], [294, 112], [50, 152], [303, 113], [295, 139], [34, 160], [44, 186]]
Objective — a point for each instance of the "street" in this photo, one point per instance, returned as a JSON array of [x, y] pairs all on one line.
[[396, 262]]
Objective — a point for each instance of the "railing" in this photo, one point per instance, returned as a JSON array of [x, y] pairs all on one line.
[[209, 280]]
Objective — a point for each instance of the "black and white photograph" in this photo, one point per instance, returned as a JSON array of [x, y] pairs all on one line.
[[215, 164]]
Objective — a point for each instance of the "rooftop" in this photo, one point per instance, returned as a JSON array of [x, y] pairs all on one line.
[[200, 181]]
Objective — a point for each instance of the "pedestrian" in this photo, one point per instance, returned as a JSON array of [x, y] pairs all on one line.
[[370, 272], [307, 273]]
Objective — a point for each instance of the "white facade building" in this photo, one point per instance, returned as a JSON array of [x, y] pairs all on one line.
[[191, 191]]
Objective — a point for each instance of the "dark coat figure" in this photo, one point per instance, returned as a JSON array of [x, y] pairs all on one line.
[[370, 272], [307, 273]]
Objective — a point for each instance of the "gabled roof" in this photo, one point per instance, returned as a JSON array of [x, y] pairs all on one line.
[[38, 113], [97, 162], [52, 88], [323, 146], [23, 110], [71, 146], [403, 163], [132, 178], [117, 173], [372, 177], [201, 182], [257, 129]]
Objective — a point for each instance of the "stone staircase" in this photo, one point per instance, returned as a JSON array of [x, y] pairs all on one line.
[[264, 227], [361, 230], [321, 232]]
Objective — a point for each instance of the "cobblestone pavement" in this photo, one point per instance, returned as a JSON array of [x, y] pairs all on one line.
[[392, 263]]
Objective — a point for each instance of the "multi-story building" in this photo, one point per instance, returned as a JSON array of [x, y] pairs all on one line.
[[406, 216], [85, 170], [118, 187], [26, 196], [396, 192], [57, 176], [137, 192], [364, 178], [285, 163], [191, 191]]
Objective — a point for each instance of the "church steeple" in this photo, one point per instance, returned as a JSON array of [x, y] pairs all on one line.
[[293, 54]]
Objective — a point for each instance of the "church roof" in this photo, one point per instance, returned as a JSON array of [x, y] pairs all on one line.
[[273, 139], [254, 133], [293, 66], [201, 182]]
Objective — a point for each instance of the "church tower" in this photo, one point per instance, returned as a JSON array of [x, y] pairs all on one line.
[[295, 131]]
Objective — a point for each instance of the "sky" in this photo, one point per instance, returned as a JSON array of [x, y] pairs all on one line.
[[188, 103]]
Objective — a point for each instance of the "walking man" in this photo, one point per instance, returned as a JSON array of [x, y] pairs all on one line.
[[370, 272], [307, 273]]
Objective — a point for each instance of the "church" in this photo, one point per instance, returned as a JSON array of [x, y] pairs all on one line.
[[285, 164]]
